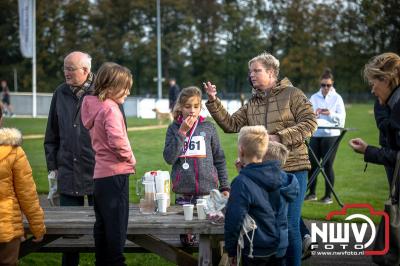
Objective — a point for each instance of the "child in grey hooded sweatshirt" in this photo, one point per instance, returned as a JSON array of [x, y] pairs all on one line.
[[192, 147]]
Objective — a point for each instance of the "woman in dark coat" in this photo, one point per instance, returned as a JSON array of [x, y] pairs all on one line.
[[383, 74]]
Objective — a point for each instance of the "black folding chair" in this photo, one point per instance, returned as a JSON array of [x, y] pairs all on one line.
[[320, 165]]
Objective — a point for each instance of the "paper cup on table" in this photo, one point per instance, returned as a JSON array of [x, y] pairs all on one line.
[[201, 201], [201, 214], [188, 211], [206, 197], [162, 202]]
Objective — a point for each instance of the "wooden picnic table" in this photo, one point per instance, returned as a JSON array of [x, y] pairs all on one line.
[[146, 231]]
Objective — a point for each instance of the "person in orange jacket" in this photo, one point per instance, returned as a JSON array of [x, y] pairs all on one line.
[[17, 196]]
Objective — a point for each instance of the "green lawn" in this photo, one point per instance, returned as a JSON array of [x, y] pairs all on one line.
[[352, 184]]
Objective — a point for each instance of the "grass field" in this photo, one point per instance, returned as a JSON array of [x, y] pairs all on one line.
[[352, 184]]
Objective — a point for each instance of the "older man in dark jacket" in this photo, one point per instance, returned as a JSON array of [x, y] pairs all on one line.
[[68, 149], [67, 144]]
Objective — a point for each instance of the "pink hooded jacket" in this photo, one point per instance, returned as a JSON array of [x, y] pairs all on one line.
[[110, 141]]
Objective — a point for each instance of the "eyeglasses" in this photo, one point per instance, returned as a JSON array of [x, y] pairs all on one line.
[[326, 85], [70, 69]]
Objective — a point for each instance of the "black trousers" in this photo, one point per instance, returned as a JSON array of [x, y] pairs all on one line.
[[320, 147], [111, 207], [72, 258]]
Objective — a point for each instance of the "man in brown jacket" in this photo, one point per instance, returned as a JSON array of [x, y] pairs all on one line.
[[289, 118]]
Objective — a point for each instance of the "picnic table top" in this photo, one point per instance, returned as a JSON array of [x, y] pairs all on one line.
[[80, 220], [150, 232]]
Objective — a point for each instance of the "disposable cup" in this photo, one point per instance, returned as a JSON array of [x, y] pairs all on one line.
[[201, 214], [201, 201], [206, 197], [188, 211], [162, 200]]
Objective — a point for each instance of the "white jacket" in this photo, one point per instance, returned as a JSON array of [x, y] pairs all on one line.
[[334, 103]]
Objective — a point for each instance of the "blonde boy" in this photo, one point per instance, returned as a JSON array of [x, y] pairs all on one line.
[[252, 144], [256, 192], [276, 151]]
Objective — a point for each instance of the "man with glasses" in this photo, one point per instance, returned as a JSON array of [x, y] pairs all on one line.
[[69, 154]]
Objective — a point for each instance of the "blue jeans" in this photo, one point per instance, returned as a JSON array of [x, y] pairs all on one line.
[[294, 250]]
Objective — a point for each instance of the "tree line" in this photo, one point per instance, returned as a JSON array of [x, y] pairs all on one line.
[[205, 40]]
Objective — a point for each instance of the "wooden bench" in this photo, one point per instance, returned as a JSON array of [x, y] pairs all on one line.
[[85, 244]]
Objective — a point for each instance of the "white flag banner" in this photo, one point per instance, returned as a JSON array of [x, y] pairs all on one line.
[[25, 27]]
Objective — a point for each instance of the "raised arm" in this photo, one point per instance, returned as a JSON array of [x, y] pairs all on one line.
[[174, 142], [229, 123]]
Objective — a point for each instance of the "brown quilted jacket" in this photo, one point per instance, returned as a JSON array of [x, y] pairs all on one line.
[[285, 111]]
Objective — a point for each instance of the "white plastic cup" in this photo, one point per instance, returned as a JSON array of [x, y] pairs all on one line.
[[201, 201], [162, 200], [201, 214], [206, 197], [160, 184], [188, 211]]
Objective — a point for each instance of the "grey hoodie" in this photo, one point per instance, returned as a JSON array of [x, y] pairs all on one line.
[[204, 174]]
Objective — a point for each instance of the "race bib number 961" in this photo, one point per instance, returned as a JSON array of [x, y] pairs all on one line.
[[196, 147]]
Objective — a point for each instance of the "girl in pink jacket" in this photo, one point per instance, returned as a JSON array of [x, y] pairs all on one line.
[[114, 160]]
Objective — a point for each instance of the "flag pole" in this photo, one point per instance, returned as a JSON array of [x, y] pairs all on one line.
[[34, 113], [159, 74]]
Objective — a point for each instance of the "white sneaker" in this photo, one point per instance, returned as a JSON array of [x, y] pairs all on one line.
[[306, 247]]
